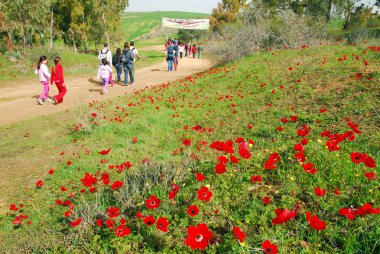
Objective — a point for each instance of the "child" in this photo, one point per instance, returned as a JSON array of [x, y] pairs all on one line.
[[43, 73], [57, 78], [116, 62], [104, 72], [200, 49], [194, 50]]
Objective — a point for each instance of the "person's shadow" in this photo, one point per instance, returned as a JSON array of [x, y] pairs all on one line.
[[94, 81]]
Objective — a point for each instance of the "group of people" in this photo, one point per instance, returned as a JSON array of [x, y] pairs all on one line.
[[46, 77], [175, 49], [121, 60]]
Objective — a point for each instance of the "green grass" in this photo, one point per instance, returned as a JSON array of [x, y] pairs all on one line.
[[136, 24], [224, 101]]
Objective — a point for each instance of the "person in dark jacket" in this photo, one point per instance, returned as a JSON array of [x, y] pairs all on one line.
[[116, 61]]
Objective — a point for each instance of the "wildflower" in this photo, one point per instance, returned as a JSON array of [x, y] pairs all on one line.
[[198, 236], [153, 202]]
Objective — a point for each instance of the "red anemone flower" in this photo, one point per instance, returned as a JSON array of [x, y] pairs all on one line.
[[320, 192], [204, 194], [200, 177], [193, 210], [186, 142], [268, 247], [257, 178], [239, 234], [149, 220], [220, 168], [370, 175], [162, 224], [153, 202], [299, 157], [117, 185], [309, 168], [76, 222], [105, 152], [283, 216], [39, 183], [122, 231], [113, 212], [349, 213], [198, 236], [315, 222]]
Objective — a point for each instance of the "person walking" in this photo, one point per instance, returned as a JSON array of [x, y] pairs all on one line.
[[106, 53], [135, 56], [44, 75], [200, 49], [127, 60], [58, 79], [170, 56], [186, 48], [194, 50], [116, 62], [181, 50], [104, 72], [175, 60]]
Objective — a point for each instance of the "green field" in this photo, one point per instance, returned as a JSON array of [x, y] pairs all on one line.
[[136, 24], [267, 104]]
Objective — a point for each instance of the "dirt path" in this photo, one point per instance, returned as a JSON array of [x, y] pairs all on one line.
[[18, 99]]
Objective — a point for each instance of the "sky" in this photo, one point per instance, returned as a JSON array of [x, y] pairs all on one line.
[[202, 6]]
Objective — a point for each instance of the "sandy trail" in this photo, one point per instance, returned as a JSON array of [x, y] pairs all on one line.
[[18, 100]]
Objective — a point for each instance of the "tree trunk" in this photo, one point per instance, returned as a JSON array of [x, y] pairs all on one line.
[[85, 35], [8, 41], [75, 46], [51, 29], [106, 30], [23, 38], [328, 13], [42, 38]]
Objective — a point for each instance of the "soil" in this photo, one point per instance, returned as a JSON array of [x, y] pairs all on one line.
[[18, 99]]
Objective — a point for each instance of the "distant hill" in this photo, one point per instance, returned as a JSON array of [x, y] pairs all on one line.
[[135, 24]]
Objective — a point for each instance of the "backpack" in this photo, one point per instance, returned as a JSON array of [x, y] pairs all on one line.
[[103, 55], [176, 50], [170, 53], [126, 57]]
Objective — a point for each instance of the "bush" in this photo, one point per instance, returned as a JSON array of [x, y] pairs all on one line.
[[260, 31]]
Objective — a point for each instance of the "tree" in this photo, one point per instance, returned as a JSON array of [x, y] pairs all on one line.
[[4, 28], [226, 12], [26, 16]]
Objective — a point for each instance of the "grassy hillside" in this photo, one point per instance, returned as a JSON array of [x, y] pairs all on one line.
[[276, 130], [136, 24]]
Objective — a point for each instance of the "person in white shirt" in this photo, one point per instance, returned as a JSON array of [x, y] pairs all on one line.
[[135, 55], [181, 50], [44, 75], [105, 53]]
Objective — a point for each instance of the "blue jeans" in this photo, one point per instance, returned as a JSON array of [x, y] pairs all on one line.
[[199, 54], [128, 68], [119, 71], [170, 65]]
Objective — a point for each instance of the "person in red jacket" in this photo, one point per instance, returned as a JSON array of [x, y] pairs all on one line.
[[194, 50], [57, 78]]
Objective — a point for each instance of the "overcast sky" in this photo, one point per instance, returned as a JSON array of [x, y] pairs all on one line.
[[202, 6]]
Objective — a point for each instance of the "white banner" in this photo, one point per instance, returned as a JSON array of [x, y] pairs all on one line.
[[198, 24]]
